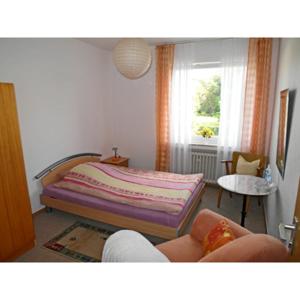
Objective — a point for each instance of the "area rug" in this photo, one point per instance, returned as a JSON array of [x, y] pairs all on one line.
[[82, 242]]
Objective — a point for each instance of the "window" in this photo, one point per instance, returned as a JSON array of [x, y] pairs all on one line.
[[206, 102]]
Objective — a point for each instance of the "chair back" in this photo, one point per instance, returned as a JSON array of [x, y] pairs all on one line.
[[249, 157]]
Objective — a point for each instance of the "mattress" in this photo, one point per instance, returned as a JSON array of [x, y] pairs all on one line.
[[153, 216]]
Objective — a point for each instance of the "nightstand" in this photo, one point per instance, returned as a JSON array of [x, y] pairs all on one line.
[[119, 161]]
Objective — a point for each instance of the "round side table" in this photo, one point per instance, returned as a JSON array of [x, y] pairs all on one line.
[[246, 185]]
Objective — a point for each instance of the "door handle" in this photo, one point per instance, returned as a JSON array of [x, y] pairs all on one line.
[[290, 227], [287, 233]]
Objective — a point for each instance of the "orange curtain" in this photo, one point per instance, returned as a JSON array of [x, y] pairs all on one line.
[[255, 135], [164, 68]]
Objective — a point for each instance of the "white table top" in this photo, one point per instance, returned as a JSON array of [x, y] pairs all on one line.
[[246, 185]]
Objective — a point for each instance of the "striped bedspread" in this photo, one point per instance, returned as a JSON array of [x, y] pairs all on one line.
[[148, 189]]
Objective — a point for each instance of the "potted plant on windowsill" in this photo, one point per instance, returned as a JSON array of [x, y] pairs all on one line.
[[206, 133]]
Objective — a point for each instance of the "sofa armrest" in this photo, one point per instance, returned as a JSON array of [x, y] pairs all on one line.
[[182, 249], [207, 219], [250, 248]]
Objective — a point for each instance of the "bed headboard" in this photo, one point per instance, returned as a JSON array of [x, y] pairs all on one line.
[[55, 174]]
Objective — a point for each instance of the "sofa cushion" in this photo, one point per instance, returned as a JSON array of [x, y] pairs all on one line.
[[182, 249]]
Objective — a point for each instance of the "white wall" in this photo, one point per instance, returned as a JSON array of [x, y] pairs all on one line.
[[132, 117], [280, 207], [133, 110], [61, 89]]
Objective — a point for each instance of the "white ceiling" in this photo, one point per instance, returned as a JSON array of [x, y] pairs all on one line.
[[109, 43]]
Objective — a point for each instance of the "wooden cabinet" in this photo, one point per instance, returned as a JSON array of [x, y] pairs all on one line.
[[16, 227], [117, 161]]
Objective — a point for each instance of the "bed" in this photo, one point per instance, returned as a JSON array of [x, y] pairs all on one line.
[[153, 222]]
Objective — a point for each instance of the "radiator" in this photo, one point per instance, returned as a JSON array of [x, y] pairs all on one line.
[[204, 161]]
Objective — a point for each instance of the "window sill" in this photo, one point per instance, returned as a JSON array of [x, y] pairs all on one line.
[[200, 141]]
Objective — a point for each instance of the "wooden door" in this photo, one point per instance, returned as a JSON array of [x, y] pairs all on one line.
[[295, 250], [16, 227]]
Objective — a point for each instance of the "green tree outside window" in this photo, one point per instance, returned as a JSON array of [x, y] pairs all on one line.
[[207, 105]]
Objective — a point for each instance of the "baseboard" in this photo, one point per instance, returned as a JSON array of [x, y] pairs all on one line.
[[213, 184], [43, 209]]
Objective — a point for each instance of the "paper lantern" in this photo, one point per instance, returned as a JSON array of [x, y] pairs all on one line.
[[132, 57]]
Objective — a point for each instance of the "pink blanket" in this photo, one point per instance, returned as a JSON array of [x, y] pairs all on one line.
[[148, 189]]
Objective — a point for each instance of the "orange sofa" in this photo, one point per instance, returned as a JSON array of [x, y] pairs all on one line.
[[247, 247], [130, 246]]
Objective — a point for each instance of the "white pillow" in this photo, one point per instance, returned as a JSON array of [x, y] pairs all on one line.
[[130, 246], [246, 167]]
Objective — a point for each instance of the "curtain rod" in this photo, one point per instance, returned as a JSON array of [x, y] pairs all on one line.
[[202, 40]]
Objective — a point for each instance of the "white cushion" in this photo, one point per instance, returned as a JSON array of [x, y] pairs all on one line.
[[246, 167], [130, 246]]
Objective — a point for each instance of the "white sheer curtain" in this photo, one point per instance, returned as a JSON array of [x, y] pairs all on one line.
[[234, 63], [181, 109]]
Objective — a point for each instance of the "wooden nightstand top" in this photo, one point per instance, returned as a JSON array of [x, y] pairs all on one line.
[[120, 161]]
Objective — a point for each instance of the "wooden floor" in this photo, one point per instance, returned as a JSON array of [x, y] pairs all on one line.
[[48, 225]]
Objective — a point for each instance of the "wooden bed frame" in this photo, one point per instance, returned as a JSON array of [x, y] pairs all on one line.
[[146, 227]]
